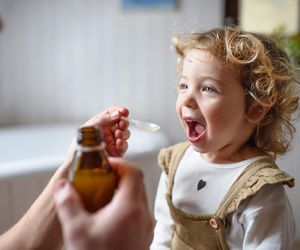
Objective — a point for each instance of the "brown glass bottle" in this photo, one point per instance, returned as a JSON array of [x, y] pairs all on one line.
[[90, 173]]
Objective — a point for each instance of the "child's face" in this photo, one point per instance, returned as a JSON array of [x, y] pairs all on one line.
[[211, 106]]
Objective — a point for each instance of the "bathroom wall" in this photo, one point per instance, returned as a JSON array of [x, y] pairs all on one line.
[[64, 60]]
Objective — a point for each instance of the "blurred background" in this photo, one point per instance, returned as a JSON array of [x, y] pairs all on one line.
[[62, 61], [65, 60]]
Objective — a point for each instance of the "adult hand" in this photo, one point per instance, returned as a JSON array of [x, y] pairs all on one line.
[[39, 228], [114, 128], [124, 223], [115, 133]]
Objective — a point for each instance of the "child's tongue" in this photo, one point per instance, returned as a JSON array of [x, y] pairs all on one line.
[[196, 130], [199, 128]]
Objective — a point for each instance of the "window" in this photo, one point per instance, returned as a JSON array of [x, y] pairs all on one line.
[[263, 15]]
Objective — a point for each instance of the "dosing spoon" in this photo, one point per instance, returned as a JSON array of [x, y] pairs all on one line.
[[145, 126]]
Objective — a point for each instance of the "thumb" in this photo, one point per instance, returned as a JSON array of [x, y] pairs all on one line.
[[113, 115], [108, 117], [68, 204]]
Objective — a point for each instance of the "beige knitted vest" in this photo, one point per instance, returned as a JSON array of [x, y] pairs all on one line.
[[207, 231]]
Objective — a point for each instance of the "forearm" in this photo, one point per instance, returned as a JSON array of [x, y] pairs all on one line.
[[39, 228]]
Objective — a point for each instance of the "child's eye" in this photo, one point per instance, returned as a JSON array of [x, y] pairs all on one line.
[[209, 89], [182, 86]]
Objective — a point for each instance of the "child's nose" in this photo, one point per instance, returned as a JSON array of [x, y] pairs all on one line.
[[190, 101]]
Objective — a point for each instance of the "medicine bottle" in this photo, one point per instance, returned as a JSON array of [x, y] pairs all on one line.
[[91, 173]]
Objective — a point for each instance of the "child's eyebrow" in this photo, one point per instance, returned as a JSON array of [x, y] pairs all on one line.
[[183, 77], [188, 58], [191, 58], [202, 78]]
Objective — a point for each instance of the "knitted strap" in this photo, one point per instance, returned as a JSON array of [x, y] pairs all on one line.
[[261, 172], [169, 160]]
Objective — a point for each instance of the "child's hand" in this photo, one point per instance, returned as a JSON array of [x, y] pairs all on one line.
[[115, 130]]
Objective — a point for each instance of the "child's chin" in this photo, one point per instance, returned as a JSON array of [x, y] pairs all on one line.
[[197, 148]]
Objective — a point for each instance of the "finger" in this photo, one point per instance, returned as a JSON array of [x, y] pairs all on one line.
[[126, 134], [109, 139], [112, 151], [122, 110], [123, 124], [108, 117], [118, 149], [122, 134], [131, 178], [121, 146], [114, 128], [68, 204], [113, 116], [119, 134]]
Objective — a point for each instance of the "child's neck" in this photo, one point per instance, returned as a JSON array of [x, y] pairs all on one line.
[[230, 154]]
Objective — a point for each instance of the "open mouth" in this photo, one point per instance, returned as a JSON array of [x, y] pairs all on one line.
[[195, 129]]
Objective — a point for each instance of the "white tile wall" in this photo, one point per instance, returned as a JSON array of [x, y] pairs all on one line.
[[19, 193], [64, 60]]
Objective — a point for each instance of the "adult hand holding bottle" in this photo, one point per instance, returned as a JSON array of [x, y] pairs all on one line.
[[39, 228], [114, 130], [124, 223]]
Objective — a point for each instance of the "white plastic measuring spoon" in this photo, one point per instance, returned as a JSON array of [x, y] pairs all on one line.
[[145, 126]]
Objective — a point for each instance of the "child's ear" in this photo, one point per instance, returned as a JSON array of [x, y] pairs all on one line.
[[256, 112]]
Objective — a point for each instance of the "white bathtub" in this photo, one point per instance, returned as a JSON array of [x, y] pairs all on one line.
[[30, 154]]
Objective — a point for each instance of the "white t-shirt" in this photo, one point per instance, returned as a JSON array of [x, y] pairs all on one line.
[[265, 221]]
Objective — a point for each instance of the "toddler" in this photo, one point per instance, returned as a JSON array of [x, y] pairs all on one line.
[[222, 188]]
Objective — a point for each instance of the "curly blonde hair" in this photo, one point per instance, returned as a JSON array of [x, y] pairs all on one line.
[[266, 75]]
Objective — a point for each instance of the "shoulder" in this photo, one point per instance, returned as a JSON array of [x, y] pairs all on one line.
[[266, 220], [262, 174], [269, 211], [171, 155], [270, 205], [271, 196], [265, 171]]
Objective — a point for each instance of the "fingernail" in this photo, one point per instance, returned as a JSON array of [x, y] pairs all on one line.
[[114, 114], [62, 191]]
